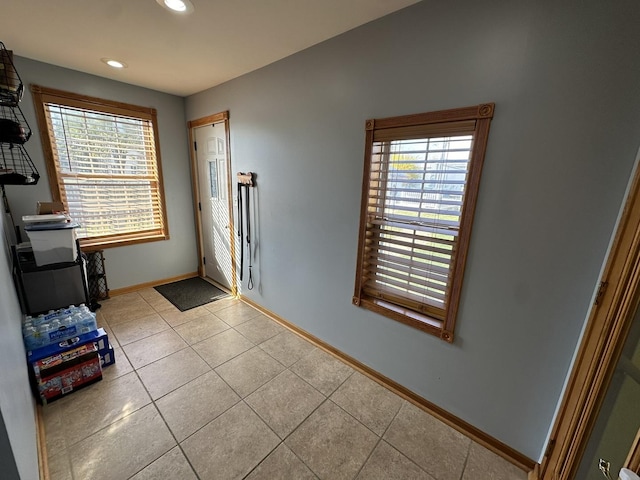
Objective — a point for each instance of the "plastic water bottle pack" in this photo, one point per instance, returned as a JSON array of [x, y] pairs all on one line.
[[57, 326]]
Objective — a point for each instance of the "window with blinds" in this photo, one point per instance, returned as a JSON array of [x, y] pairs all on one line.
[[104, 165], [419, 191]]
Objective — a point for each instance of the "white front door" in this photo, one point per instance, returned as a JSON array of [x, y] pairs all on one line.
[[211, 154]]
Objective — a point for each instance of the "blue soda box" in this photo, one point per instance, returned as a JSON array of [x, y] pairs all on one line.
[[99, 337], [107, 356]]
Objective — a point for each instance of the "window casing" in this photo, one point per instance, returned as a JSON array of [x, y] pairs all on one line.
[[420, 186], [103, 162]]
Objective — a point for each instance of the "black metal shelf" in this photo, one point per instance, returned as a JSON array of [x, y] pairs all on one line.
[[13, 126], [11, 87], [16, 167]]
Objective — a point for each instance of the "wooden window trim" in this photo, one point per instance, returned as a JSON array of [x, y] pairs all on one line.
[[444, 122], [43, 95]]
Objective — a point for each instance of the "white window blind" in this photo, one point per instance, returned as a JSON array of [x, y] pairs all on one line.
[[106, 167], [416, 192], [420, 185]]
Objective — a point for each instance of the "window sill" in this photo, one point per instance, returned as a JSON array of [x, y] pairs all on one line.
[[91, 244], [409, 317]]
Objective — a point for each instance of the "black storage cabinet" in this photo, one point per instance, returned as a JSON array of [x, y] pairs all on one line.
[[48, 287]]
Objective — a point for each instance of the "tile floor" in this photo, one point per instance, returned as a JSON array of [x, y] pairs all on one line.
[[223, 392]]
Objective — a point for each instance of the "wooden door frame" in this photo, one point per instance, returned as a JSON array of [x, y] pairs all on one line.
[[193, 124], [607, 329], [633, 459]]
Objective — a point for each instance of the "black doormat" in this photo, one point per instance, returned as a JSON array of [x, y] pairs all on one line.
[[190, 293]]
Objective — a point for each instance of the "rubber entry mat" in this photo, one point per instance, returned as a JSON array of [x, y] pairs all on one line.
[[190, 293]]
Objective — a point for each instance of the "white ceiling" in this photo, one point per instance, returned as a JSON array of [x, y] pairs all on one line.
[[220, 40]]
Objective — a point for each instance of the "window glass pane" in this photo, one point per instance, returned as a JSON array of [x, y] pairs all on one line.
[[213, 178]]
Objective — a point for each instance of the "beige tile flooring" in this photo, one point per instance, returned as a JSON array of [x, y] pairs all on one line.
[[223, 392]]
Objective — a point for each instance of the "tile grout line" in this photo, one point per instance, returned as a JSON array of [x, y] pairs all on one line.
[[155, 406], [171, 327], [153, 402], [241, 399], [212, 369], [282, 440], [135, 370], [287, 369], [380, 438], [326, 398], [265, 457], [466, 459]]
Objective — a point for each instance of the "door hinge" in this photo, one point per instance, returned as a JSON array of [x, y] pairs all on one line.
[[199, 206], [550, 446], [204, 260], [195, 146], [601, 289]]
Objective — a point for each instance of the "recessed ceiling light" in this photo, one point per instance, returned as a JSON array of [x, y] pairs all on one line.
[[177, 6], [114, 63]]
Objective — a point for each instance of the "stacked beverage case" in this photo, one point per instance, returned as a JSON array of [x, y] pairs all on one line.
[[66, 351], [57, 326]]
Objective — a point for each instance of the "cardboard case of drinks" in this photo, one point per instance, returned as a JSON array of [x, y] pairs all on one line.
[[67, 366]]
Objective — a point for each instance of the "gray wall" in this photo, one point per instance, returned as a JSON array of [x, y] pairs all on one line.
[[136, 264], [18, 450], [564, 77]]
